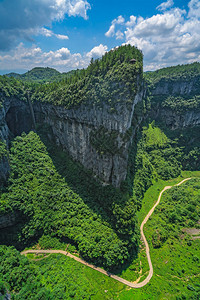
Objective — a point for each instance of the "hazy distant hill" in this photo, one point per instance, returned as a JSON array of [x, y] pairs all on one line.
[[41, 75]]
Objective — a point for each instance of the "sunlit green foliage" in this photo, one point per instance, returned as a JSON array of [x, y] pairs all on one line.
[[20, 277], [55, 277], [109, 80], [180, 208]]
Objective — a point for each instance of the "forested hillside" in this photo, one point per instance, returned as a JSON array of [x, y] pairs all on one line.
[[41, 75], [175, 73]]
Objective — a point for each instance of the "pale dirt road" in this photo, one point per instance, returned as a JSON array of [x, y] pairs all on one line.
[[124, 281]]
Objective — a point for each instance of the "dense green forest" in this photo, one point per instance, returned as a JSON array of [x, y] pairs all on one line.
[[181, 104], [175, 73], [174, 252], [47, 205], [110, 80]]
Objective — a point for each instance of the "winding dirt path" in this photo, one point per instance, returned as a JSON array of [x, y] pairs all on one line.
[[124, 281]]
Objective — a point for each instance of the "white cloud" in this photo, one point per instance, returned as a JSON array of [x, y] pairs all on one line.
[[131, 22], [23, 19], [168, 38], [119, 35], [62, 37], [48, 33], [61, 59], [194, 6], [111, 31], [45, 32], [165, 5], [79, 8], [97, 51], [159, 24]]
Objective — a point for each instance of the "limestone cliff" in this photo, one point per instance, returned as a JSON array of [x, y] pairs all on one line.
[[4, 137], [175, 116], [73, 129], [7, 220]]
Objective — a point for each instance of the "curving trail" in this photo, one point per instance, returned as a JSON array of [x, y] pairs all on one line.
[[124, 281]]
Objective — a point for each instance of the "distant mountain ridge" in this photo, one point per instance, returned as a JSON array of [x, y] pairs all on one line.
[[41, 75]]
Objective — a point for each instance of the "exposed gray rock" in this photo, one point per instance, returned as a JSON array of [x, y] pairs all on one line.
[[4, 170], [175, 121], [8, 220], [179, 87], [72, 130], [172, 118]]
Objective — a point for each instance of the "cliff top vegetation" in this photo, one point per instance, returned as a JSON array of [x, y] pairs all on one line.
[[111, 80], [175, 73]]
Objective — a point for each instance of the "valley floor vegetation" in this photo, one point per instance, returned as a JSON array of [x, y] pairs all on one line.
[[56, 207], [59, 277]]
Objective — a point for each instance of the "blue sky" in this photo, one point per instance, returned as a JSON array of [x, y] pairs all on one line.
[[66, 34]]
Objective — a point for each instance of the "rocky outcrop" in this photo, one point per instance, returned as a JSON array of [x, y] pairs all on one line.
[[173, 118], [4, 131], [4, 169], [15, 118], [72, 129], [167, 86], [7, 220], [186, 119], [4, 136]]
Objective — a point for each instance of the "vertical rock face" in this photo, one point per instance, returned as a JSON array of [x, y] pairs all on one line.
[[8, 220], [94, 136], [14, 119], [176, 116], [4, 131], [4, 170], [4, 137]]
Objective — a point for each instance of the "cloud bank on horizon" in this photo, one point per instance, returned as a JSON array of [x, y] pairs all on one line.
[[171, 36]]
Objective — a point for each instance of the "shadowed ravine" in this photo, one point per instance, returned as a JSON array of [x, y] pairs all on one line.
[[124, 281]]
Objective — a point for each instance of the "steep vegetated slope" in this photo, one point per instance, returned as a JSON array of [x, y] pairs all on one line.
[[41, 75]]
